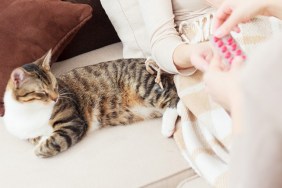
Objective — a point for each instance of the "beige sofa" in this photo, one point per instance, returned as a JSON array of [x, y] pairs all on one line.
[[115, 157]]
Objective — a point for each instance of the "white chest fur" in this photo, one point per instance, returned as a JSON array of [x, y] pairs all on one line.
[[28, 120]]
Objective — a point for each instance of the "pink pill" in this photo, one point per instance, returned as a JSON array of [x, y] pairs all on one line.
[[220, 44], [230, 41], [215, 39], [234, 46], [227, 55], [238, 52], [224, 49]]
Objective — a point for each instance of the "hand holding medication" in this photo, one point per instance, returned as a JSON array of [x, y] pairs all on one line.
[[233, 12], [228, 49]]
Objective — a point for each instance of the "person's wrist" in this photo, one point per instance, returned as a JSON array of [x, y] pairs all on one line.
[[182, 65], [272, 8], [181, 57]]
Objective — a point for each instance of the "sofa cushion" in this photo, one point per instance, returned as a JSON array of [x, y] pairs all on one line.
[[96, 33], [121, 156], [114, 157], [29, 28]]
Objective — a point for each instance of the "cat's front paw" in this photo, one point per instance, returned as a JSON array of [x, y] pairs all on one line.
[[44, 150], [34, 141]]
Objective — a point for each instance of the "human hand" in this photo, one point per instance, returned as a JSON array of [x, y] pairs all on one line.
[[222, 82], [231, 13], [201, 56], [197, 55]]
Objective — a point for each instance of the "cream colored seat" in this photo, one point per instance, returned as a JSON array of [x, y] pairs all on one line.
[[115, 157]]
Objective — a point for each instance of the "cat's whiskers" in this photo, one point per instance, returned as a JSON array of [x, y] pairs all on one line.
[[65, 97], [62, 91], [66, 94]]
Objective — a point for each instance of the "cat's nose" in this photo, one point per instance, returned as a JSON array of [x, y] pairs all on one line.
[[54, 97]]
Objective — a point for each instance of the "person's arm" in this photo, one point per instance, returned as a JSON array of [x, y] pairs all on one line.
[[257, 146], [231, 13], [167, 48], [274, 8], [181, 56]]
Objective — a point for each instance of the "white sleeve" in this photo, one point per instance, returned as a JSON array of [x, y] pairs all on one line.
[[159, 21]]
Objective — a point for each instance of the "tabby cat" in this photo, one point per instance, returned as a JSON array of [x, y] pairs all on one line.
[[56, 113]]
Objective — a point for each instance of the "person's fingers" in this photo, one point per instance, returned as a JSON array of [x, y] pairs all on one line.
[[221, 15], [236, 29], [232, 21], [209, 57], [216, 63], [247, 20], [199, 62], [237, 63]]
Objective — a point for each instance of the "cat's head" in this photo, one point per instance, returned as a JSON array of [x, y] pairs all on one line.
[[34, 82]]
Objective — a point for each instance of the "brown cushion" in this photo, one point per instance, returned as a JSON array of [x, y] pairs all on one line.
[[96, 33], [1, 108], [29, 28]]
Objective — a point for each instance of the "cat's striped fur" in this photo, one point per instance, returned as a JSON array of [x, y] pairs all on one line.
[[108, 93]]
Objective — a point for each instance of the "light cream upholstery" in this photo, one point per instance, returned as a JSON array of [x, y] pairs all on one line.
[[115, 157]]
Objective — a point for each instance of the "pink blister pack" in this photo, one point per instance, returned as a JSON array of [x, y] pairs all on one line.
[[228, 48]]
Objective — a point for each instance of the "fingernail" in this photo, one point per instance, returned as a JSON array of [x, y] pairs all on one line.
[[237, 30], [219, 33]]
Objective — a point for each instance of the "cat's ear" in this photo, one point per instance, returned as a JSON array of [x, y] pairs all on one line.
[[18, 77], [45, 60]]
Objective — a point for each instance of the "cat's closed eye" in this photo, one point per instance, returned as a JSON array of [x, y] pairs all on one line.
[[26, 94], [41, 94]]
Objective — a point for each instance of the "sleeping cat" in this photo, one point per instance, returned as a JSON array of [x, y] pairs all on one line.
[[56, 113]]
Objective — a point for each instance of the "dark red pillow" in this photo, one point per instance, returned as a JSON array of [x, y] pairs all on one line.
[[29, 28]]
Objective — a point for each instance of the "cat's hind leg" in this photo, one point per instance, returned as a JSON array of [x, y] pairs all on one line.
[[168, 122]]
